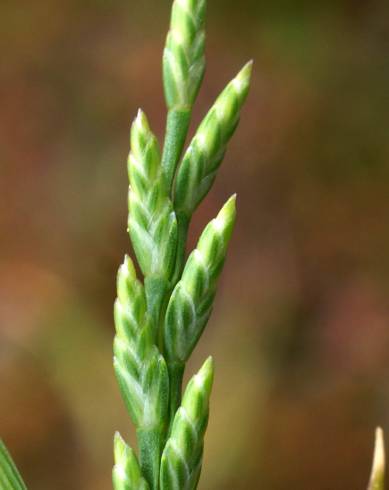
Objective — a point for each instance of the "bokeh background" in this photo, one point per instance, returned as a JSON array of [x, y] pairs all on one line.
[[300, 331]]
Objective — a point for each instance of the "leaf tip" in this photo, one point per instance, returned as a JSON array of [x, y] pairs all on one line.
[[244, 76], [205, 375], [378, 468], [227, 214]]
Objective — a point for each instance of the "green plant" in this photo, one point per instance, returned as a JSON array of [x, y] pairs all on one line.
[[160, 320]]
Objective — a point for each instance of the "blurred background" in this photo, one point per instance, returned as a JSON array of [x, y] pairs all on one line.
[[300, 331]]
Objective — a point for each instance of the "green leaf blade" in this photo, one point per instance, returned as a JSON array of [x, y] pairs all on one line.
[[10, 478]]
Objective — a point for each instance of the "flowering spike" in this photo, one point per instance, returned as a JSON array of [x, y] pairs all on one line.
[[159, 322]]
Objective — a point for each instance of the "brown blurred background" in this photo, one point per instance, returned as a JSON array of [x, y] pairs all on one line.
[[300, 331]]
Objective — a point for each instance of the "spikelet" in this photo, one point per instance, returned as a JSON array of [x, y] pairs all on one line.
[[140, 368], [183, 71], [152, 222], [126, 474], [191, 302], [183, 58], [182, 456], [201, 161]]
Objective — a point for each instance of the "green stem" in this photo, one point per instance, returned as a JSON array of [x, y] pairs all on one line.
[[150, 447], [155, 289], [176, 373], [182, 234], [176, 130]]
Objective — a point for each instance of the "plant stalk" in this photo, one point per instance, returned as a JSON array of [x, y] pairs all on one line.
[[150, 446], [155, 289], [176, 373], [182, 234], [176, 130]]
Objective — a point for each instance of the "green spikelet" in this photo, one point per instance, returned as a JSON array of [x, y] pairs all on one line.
[[206, 151], [152, 222], [10, 478], [377, 477], [140, 369], [183, 71], [126, 474], [182, 456], [183, 58], [191, 302]]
